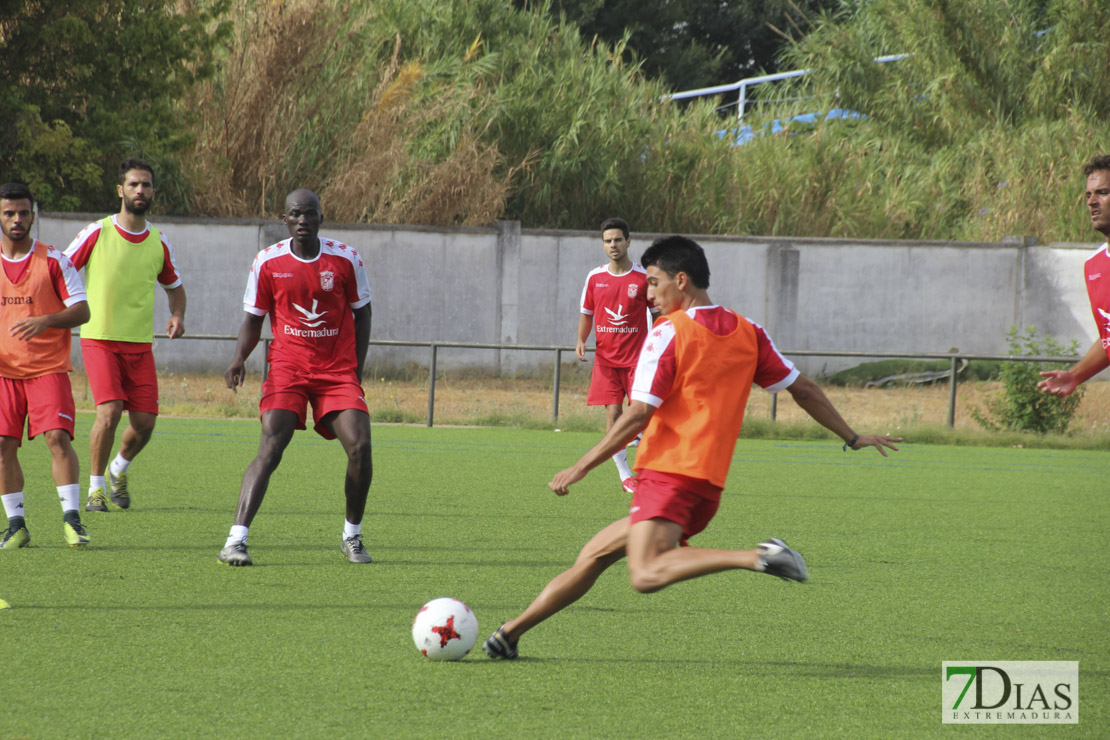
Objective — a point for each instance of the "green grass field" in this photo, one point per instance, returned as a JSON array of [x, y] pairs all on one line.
[[937, 553]]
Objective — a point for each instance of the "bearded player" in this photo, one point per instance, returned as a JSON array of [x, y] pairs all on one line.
[[42, 300], [124, 257], [1097, 273]]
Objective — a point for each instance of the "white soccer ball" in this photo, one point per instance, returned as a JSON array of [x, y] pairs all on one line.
[[445, 629]]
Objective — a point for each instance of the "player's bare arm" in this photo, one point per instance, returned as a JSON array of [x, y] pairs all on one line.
[[585, 323], [67, 318], [633, 421], [175, 327], [1063, 382], [809, 396], [249, 335], [363, 318]]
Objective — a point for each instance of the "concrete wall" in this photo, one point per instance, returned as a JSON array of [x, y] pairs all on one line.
[[504, 284]]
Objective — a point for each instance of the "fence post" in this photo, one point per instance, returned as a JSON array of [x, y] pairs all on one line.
[[952, 392], [509, 289], [774, 405], [432, 386], [555, 389]]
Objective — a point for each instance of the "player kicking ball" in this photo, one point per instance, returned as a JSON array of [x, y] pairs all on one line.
[[317, 295], [688, 396]]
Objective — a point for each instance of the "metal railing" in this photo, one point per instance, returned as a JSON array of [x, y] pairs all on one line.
[[743, 85], [953, 358]]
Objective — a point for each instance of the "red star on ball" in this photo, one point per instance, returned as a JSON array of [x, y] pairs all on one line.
[[447, 632]]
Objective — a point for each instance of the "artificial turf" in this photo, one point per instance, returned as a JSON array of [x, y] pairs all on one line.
[[937, 553]]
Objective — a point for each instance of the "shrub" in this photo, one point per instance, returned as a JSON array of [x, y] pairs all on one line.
[[1021, 406]]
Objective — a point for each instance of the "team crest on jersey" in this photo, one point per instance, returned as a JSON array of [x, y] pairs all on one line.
[[327, 280], [633, 289]]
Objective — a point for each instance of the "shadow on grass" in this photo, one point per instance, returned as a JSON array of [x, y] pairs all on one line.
[[755, 668]]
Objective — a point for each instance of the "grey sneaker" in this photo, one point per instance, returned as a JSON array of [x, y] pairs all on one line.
[[117, 486], [97, 500], [355, 551], [779, 560], [498, 645], [235, 554]]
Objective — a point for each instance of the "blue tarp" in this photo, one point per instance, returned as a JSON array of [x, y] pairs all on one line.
[[744, 134]]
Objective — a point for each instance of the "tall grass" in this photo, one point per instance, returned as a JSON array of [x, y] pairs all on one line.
[[318, 95], [462, 113], [980, 132]]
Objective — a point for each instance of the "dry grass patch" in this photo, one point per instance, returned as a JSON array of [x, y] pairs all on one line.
[[527, 402]]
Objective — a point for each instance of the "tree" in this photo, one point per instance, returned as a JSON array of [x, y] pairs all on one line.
[[89, 82], [696, 43]]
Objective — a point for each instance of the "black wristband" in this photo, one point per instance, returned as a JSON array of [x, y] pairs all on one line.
[[852, 444]]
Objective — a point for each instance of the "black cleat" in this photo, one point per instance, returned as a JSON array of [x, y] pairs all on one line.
[[498, 645]]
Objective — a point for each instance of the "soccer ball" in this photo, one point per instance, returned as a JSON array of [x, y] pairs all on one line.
[[445, 629]]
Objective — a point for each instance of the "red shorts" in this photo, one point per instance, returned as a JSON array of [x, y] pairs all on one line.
[[691, 502], [609, 385], [45, 403], [121, 376], [291, 389]]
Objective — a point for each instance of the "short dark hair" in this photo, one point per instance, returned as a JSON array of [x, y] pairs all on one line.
[[615, 223], [16, 191], [1096, 163], [133, 163], [675, 254]]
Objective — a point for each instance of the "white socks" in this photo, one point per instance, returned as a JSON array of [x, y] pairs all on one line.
[[621, 459], [119, 465], [13, 504], [238, 534], [70, 496]]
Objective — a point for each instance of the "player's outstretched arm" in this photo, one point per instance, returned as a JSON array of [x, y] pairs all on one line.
[[814, 402], [249, 335], [1064, 382], [631, 422], [1059, 383]]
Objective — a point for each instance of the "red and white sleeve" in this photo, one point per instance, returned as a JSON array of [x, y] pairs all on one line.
[[655, 370]]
